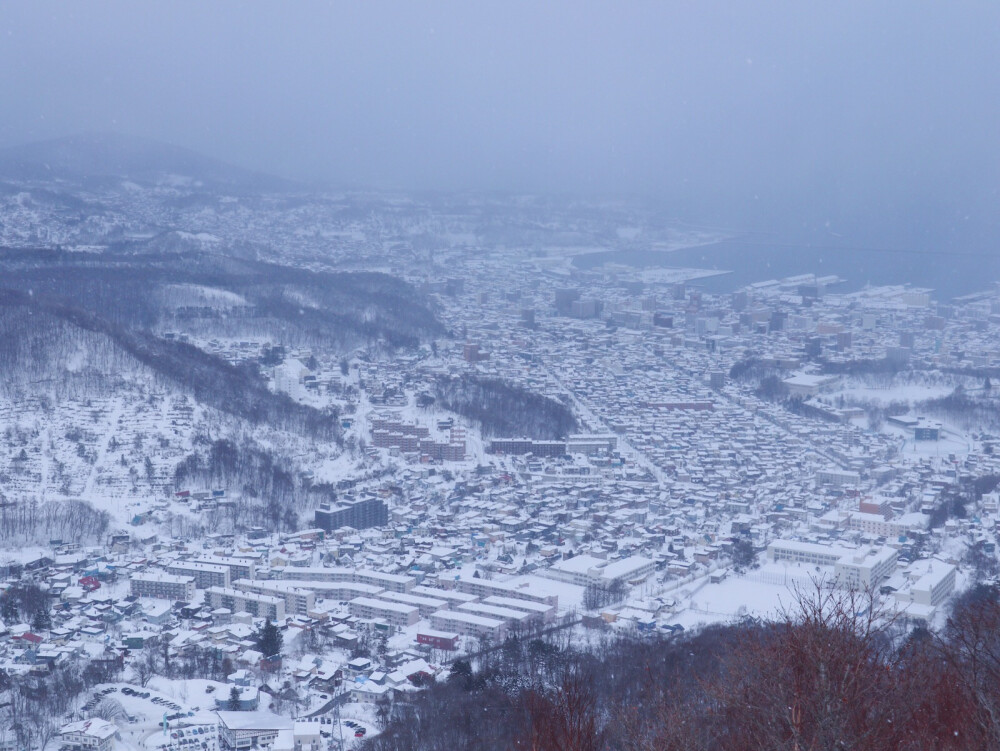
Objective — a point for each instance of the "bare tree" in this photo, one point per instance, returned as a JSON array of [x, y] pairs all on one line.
[[145, 666], [110, 709], [971, 645], [565, 719]]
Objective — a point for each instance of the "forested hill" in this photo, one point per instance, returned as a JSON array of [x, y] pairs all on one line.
[[36, 335], [505, 409], [208, 293], [836, 673]]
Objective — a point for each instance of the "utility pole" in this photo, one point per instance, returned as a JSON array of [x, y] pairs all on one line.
[[336, 719]]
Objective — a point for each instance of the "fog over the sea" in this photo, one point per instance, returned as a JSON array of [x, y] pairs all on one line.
[[879, 118]]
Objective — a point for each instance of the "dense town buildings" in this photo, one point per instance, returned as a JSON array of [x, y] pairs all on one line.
[[729, 447]]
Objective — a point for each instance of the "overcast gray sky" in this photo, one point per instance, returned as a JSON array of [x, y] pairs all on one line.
[[743, 101]]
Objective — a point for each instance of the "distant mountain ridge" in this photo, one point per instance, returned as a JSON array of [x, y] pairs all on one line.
[[101, 156]]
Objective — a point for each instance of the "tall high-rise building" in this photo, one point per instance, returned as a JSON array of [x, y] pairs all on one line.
[[368, 512], [565, 299]]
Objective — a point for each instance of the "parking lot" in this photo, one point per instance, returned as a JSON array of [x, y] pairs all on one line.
[[192, 738]]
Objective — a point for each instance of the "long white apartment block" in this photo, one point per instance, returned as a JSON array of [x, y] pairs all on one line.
[[162, 585], [205, 575], [394, 613], [507, 615], [485, 588], [452, 596], [297, 600], [336, 591], [540, 609], [240, 567], [391, 582], [238, 601], [426, 605], [469, 624]]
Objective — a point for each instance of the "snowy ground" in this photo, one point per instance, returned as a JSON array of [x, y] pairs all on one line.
[[761, 593], [883, 395], [187, 697], [952, 441]]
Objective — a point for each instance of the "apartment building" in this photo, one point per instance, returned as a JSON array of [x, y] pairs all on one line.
[[484, 588], [163, 586], [298, 601], [390, 582], [837, 477], [336, 591], [360, 514], [394, 613], [508, 615], [238, 601], [521, 446], [426, 605], [205, 575], [590, 444], [451, 596], [240, 567], [469, 624], [542, 610]]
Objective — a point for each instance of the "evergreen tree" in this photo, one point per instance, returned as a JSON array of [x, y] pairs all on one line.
[[460, 669], [42, 621], [744, 555], [269, 639], [233, 705], [8, 609]]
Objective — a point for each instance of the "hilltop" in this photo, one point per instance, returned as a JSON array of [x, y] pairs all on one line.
[[98, 157]]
